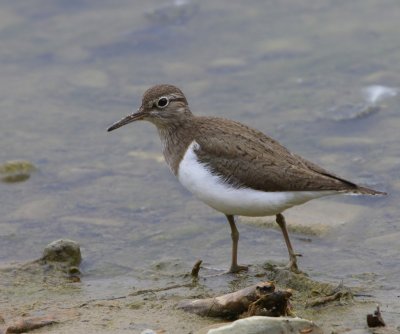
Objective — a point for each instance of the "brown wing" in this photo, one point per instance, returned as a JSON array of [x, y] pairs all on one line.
[[245, 157]]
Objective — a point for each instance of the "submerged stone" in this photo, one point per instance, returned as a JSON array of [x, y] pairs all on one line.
[[16, 171], [178, 12], [349, 112]]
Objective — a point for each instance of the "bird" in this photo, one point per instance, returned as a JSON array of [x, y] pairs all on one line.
[[233, 168]]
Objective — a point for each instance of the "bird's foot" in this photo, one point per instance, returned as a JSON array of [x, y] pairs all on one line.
[[235, 268], [292, 265]]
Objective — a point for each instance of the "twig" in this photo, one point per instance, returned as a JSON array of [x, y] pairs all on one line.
[[324, 300], [175, 286], [139, 292], [196, 269]]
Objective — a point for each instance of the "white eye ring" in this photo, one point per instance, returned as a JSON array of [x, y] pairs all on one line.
[[162, 102]]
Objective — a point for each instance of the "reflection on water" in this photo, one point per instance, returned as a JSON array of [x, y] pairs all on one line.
[[69, 69]]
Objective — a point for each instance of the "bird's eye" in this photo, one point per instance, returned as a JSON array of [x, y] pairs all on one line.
[[162, 102]]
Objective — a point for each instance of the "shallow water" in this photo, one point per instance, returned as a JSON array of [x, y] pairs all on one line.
[[295, 71]]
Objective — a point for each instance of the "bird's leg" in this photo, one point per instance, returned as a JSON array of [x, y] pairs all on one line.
[[235, 239], [292, 265]]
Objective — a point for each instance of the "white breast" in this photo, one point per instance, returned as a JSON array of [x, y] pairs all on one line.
[[212, 190]]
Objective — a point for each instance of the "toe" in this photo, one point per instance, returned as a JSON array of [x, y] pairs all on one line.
[[236, 268]]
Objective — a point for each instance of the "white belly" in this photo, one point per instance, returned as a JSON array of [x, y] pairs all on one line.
[[243, 201]]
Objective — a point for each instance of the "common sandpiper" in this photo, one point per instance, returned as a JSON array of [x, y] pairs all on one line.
[[233, 168]]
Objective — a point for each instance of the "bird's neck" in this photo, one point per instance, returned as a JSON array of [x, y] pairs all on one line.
[[175, 139]]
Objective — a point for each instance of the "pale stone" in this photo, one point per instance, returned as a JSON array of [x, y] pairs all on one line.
[[270, 325]]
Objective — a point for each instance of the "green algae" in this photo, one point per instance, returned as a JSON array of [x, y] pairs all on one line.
[[16, 171], [63, 251]]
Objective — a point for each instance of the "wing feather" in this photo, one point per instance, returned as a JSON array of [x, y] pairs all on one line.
[[245, 157]]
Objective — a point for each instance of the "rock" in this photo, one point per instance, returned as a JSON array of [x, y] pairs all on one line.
[[63, 250], [270, 325], [16, 171], [24, 325]]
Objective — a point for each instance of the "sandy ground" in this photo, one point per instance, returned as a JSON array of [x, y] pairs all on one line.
[[45, 293]]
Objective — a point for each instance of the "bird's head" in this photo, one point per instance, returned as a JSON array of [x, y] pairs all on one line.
[[162, 105]]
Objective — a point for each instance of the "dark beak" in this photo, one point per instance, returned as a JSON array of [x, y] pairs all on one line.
[[128, 119]]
